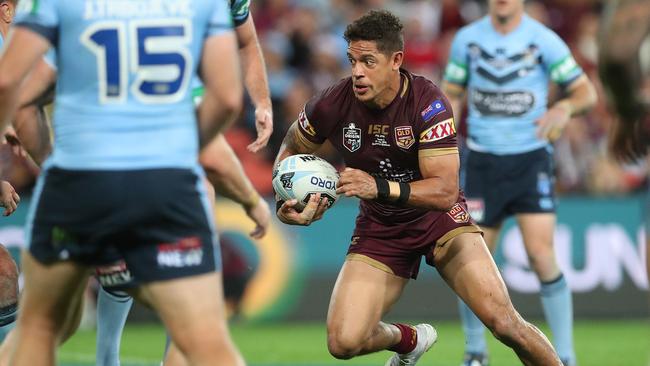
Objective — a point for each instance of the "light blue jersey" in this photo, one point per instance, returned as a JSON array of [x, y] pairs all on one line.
[[123, 98], [507, 77]]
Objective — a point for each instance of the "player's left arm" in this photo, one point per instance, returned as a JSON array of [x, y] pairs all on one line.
[[581, 96], [256, 81], [564, 71], [437, 190], [15, 64], [226, 174]]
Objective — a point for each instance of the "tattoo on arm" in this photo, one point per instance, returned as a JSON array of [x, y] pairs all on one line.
[[296, 142]]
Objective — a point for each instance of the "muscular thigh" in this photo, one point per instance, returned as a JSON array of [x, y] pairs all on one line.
[[362, 295], [465, 263]]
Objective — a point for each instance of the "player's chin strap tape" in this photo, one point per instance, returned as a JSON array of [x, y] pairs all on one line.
[[383, 190], [404, 193], [8, 314]]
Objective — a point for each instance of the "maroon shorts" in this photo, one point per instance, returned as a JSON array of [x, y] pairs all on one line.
[[398, 248]]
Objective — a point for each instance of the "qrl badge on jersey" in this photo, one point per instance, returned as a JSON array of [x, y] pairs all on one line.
[[458, 214], [352, 137], [404, 137]]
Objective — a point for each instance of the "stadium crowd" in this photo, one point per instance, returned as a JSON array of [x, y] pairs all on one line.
[[304, 52]]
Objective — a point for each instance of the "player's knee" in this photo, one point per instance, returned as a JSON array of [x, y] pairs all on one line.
[[343, 347], [506, 327], [543, 264]]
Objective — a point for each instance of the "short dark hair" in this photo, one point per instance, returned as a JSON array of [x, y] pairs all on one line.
[[380, 26]]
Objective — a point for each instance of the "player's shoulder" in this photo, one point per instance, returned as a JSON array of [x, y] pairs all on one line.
[[474, 29], [538, 29], [422, 86]]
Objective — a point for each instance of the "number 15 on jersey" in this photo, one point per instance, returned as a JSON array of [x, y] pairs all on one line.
[[156, 52]]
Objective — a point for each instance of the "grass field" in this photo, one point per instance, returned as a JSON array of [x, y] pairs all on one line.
[[598, 343]]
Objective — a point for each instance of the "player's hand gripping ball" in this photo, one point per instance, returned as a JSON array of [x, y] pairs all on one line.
[[300, 176]]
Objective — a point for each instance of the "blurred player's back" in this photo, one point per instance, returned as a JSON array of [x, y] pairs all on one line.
[[124, 75]]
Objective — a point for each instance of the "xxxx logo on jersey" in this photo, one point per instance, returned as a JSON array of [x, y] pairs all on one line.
[[438, 131]]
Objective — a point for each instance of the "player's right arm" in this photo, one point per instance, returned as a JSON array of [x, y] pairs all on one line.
[[296, 143]]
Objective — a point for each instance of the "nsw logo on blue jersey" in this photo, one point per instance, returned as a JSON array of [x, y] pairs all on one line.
[[433, 109]]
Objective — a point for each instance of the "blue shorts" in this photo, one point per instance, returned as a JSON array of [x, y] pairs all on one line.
[[157, 221], [498, 186]]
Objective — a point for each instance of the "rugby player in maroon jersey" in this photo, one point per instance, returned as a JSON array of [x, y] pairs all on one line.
[[395, 131]]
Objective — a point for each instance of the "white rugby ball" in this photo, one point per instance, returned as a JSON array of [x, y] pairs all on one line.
[[299, 176]]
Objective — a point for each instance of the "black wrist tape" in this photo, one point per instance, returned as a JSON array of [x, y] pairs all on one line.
[[404, 193], [383, 190]]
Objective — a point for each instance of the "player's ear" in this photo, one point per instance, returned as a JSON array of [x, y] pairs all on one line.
[[396, 59]]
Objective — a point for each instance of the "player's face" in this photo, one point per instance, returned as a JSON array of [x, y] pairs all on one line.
[[372, 71], [505, 9]]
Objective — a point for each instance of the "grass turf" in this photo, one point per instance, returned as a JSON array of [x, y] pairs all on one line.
[[598, 343]]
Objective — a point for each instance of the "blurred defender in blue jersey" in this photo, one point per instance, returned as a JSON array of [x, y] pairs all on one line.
[[626, 26], [504, 62], [123, 180]]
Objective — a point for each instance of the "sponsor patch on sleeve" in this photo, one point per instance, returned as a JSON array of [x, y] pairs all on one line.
[[438, 131], [433, 110], [305, 125]]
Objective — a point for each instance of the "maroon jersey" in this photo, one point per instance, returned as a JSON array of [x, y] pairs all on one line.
[[387, 142]]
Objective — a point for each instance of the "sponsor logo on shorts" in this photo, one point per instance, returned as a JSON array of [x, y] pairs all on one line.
[[114, 274], [304, 123], [187, 252], [438, 131], [355, 240], [352, 137], [433, 110], [458, 214], [404, 137], [476, 208]]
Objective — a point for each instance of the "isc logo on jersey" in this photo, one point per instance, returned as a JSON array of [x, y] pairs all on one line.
[[438, 131]]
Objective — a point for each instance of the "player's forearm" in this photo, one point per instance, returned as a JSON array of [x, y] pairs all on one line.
[[226, 173], [436, 193], [256, 82], [38, 87], [582, 97], [33, 131]]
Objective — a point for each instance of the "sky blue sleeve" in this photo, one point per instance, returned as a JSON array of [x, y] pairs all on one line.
[[220, 19], [557, 59], [457, 69], [240, 11], [41, 16]]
